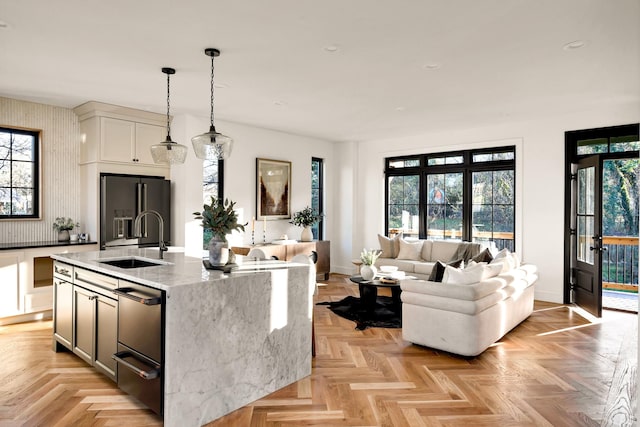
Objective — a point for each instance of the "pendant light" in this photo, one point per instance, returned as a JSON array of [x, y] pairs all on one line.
[[212, 145], [168, 152]]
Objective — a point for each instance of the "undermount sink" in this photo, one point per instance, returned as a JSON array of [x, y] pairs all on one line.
[[133, 262]]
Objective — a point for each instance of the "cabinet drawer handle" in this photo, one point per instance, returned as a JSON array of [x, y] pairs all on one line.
[[124, 292], [147, 375]]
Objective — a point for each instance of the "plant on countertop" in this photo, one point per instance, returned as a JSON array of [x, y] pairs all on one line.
[[63, 223], [219, 217], [369, 257], [305, 218]]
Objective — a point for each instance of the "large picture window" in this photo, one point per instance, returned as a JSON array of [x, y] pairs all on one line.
[[317, 195], [19, 173], [468, 195]]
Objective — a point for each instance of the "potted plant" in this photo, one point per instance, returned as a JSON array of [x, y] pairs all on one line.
[[220, 219], [305, 218], [63, 225], [369, 257]]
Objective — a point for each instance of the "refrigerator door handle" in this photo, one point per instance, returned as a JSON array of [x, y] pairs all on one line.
[[141, 206]]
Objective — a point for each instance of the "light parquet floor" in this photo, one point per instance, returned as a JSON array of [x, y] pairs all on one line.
[[558, 368]]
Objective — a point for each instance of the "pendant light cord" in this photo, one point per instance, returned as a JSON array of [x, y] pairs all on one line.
[[212, 126], [168, 106]]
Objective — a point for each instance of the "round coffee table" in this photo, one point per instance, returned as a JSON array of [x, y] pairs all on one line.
[[369, 292]]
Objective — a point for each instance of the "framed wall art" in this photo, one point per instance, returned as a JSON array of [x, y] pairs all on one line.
[[273, 189]]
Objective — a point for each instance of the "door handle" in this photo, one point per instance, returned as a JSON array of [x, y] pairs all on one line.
[[149, 374]]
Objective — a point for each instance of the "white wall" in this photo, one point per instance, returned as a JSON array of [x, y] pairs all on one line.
[[540, 196], [240, 179]]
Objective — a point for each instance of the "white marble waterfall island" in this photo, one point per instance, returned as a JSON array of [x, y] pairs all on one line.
[[229, 339]]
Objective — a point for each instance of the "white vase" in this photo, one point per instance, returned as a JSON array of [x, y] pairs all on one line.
[[306, 235], [63, 236], [218, 252], [368, 272]]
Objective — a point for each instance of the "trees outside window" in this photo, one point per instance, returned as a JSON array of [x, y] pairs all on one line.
[[468, 195], [19, 173]]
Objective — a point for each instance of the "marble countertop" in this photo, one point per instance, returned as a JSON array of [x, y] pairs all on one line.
[[176, 269]]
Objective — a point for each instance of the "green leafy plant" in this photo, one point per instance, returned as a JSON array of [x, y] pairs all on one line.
[[369, 257], [63, 223], [219, 217], [305, 218]]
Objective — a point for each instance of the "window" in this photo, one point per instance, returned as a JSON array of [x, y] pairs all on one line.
[[212, 186], [317, 195], [19, 173], [468, 195]]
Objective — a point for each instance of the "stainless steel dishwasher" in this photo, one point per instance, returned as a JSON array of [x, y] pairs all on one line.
[[141, 343]]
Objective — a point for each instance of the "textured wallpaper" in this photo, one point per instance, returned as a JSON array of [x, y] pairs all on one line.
[[60, 173]]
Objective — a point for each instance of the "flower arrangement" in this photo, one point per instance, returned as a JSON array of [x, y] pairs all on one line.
[[369, 257], [305, 218], [219, 217], [63, 223]]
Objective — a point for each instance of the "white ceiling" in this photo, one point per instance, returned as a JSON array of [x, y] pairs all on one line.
[[401, 67]]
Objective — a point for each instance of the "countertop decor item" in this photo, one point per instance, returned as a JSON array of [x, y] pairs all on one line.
[[306, 218], [63, 225], [221, 219], [212, 145], [168, 152]]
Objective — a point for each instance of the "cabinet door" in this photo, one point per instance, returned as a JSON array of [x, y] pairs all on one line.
[[117, 140], [146, 136], [9, 284], [63, 312], [106, 339], [83, 322]]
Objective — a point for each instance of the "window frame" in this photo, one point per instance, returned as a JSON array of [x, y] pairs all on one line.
[[467, 167], [37, 173], [318, 228]]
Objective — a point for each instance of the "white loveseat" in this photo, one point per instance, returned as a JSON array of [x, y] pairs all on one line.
[[466, 319], [417, 258]]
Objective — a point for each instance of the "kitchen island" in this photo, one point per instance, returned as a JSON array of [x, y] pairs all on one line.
[[229, 339]]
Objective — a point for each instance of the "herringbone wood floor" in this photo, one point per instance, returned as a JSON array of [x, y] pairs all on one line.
[[555, 369]]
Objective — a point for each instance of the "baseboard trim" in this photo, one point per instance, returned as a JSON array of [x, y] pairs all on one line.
[[30, 317]]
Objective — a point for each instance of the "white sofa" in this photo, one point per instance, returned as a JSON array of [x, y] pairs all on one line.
[[466, 319], [417, 258]]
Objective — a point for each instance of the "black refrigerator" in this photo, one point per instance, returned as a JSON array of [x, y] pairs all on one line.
[[122, 198]]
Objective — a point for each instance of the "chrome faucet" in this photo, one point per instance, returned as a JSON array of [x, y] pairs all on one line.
[[138, 233]]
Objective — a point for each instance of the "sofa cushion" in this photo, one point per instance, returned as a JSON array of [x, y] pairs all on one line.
[[443, 250], [424, 267], [466, 292], [439, 268], [426, 250], [410, 250], [390, 247], [403, 265], [466, 306]]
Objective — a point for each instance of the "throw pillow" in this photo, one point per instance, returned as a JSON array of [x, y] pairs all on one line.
[[410, 250], [390, 247], [484, 256], [438, 269], [506, 258], [467, 276]]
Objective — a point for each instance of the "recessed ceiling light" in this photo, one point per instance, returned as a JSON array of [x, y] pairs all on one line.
[[576, 44], [432, 66], [331, 48], [4, 25], [279, 103], [400, 108]]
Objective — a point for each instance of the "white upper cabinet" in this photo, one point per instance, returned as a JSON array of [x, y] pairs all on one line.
[[113, 134]]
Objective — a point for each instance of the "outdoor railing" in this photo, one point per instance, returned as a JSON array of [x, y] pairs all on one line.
[[620, 263]]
